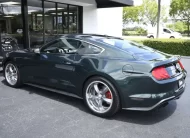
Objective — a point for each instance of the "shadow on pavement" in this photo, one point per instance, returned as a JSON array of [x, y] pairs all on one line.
[[147, 118], [143, 118]]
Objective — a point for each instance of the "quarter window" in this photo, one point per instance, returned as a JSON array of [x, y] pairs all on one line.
[[87, 48]]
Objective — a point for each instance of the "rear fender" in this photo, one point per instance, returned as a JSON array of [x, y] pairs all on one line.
[[99, 74]]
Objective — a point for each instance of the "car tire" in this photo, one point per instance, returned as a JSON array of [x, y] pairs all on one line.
[[151, 37], [104, 103], [12, 75], [172, 37]]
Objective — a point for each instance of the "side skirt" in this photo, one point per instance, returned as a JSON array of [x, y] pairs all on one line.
[[53, 90]]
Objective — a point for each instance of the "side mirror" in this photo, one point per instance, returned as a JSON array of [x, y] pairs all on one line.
[[37, 51]]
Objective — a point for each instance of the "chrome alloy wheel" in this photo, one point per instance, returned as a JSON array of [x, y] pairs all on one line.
[[99, 97], [11, 74]]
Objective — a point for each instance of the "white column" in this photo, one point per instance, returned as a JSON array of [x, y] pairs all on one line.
[[106, 21], [90, 19], [110, 21]]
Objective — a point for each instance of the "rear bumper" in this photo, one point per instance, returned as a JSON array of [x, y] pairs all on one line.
[[145, 94], [177, 95]]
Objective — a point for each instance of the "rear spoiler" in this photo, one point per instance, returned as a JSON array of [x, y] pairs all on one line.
[[173, 59]]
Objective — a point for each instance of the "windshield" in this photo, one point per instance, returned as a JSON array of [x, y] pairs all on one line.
[[171, 30]]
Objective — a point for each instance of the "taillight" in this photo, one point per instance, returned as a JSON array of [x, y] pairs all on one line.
[[160, 73], [181, 65]]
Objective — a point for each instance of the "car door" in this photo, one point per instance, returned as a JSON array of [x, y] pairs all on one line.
[[57, 65], [36, 66], [166, 33]]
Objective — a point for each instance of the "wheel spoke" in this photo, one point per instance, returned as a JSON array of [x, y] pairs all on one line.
[[14, 78], [108, 101], [100, 106], [96, 88], [99, 103], [10, 69], [91, 97], [104, 90]]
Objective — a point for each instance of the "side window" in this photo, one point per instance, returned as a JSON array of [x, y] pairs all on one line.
[[87, 48], [61, 45], [75, 43], [53, 47], [166, 31]]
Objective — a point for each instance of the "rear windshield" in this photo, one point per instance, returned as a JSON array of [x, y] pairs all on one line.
[[128, 46], [137, 50]]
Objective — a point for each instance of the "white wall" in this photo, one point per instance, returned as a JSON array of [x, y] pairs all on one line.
[[90, 19], [107, 21], [110, 21]]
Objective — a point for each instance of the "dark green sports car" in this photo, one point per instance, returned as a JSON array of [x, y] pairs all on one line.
[[109, 73]]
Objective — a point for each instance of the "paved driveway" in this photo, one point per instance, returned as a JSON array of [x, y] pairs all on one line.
[[31, 113]]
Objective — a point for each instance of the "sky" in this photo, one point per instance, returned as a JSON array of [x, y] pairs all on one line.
[[165, 2]]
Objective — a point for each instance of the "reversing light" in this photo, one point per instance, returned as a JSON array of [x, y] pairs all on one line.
[[160, 73]]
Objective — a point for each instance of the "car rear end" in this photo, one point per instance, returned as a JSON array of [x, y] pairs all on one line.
[[165, 82], [153, 78]]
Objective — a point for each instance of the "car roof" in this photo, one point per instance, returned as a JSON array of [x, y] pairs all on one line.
[[89, 36]]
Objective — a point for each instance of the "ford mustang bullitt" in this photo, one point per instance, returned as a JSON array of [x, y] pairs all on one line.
[[107, 72]]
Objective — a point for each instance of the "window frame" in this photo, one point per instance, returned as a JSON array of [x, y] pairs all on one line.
[[83, 41], [46, 45]]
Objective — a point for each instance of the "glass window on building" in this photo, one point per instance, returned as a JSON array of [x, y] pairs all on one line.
[[62, 25], [73, 19], [45, 19], [35, 22], [11, 25], [67, 19], [50, 24]]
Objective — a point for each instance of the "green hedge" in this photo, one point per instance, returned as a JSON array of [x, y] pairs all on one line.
[[175, 47], [170, 46]]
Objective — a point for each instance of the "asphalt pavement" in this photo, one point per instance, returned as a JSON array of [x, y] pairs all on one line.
[[34, 113]]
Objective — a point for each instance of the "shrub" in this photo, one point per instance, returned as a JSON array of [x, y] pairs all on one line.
[[136, 31], [141, 31], [175, 47], [131, 33]]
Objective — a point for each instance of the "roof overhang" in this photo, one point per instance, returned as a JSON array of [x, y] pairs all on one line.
[[114, 3]]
